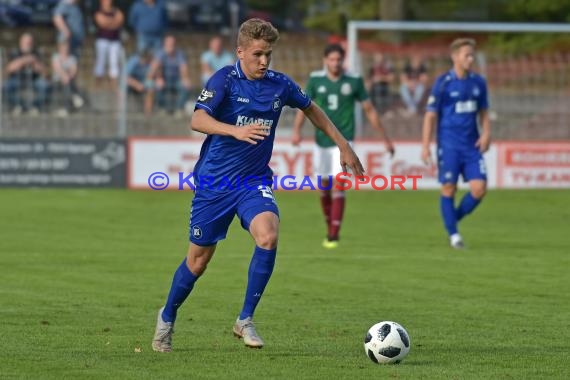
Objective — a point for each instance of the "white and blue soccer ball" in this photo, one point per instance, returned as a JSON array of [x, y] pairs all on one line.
[[387, 342]]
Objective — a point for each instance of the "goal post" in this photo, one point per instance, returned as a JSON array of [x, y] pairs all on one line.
[[555, 87], [355, 26]]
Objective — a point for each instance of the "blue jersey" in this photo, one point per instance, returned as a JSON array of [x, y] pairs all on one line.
[[231, 98], [457, 103]]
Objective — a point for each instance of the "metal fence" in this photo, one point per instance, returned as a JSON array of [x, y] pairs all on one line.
[[528, 96]]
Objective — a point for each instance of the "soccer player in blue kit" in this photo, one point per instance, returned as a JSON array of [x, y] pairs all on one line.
[[457, 105], [238, 110]]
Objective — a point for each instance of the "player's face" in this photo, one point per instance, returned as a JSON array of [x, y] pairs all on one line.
[[463, 58], [333, 63], [255, 58]]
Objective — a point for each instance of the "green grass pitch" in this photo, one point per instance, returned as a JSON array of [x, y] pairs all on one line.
[[83, 273]]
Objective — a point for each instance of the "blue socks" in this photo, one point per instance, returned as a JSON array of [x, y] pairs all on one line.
[[448, 214], [467, 205], [451, 215], [182, 285], [260, 270]]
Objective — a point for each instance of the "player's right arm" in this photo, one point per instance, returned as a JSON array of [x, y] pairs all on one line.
[[203, 122], [204, 117], [430, 120]]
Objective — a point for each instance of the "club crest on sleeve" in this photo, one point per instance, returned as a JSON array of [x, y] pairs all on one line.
[[206, 95], [431, 100], [276, 104]]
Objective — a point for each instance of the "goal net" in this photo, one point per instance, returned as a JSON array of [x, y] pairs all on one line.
[[528, 88]]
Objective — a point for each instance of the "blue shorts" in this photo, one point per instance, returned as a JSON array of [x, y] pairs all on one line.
[[213, 212], [469, 163]]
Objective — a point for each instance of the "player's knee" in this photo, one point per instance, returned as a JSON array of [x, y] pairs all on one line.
[[448, 190], [197, 260], [196, 265], [479, 192], [267, 239]]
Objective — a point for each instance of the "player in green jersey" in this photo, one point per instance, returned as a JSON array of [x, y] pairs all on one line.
[[336, 92]]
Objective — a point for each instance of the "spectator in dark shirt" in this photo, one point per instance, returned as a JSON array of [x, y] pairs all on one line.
[[380, 77], [149, 20], [25, 70], [170, 69], [413, 84], [109, 21]]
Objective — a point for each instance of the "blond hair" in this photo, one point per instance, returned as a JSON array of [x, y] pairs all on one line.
[[257, 29], [460, 42]]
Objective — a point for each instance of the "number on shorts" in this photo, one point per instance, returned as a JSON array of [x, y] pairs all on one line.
[[482, 167], [266, 192]]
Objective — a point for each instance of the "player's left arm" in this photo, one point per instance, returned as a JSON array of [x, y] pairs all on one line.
[[374, 120], [485, 139], [322, 122]]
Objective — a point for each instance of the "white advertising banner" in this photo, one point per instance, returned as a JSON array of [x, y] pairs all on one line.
[[534, 165], [509, 165]]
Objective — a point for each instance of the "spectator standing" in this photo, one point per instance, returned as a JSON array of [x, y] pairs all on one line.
[[109, 20], [149, 20], [68, 19]]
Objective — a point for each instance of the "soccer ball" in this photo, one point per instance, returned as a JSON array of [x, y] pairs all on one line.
[[387, 342]]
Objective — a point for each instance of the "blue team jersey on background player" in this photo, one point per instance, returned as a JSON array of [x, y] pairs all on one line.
[[231, 98], [457, 103]]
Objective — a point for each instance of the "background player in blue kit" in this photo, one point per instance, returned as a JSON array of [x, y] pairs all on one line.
[[239, 109], [458, 103]]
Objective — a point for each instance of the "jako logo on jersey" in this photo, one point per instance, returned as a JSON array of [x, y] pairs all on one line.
[[246, 120], [242, 100], [206, 96], [276, 104]]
